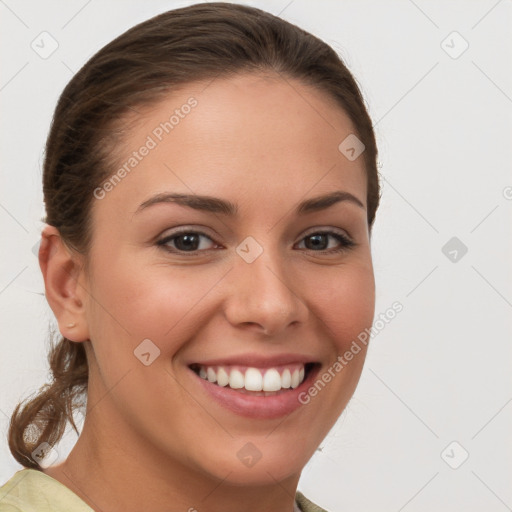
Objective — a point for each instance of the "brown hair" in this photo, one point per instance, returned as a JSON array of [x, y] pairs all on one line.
[[199, 42]]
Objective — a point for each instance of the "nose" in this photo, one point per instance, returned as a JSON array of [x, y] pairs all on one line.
[[264, 297]]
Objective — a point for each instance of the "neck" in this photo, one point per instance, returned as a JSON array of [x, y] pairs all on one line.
[[111, 470]]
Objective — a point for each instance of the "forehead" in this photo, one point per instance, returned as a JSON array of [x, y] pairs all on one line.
[[263, 138]]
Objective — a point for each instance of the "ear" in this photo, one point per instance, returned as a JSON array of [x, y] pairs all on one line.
[[63, 277]]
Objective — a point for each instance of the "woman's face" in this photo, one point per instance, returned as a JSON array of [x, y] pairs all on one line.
[[246, 287]]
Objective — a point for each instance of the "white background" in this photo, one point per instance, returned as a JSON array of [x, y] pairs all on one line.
[[441, 370]]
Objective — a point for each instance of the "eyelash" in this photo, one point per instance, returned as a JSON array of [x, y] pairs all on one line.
[[346, 243]]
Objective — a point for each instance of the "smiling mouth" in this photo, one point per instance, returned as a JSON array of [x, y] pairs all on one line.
[[255, 381]]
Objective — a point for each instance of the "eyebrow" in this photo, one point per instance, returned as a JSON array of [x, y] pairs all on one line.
[[221, 206]]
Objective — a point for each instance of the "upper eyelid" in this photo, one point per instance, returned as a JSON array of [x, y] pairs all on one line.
[[202, 231], [337, 231]]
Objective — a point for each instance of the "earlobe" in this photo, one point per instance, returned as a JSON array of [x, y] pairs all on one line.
[[62, 273]]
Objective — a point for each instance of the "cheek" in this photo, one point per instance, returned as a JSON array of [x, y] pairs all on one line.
[[343, 298], [132, 300], [138, 301]]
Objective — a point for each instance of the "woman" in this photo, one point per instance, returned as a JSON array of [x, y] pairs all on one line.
[[210, 185]]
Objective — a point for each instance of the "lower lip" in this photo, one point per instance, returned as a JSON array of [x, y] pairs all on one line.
[[263, 407]]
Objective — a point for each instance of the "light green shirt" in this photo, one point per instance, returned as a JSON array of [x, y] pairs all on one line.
[[30, 490]]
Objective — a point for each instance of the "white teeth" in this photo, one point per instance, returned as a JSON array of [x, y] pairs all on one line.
[[222, 377], [212, 376], [254, 379], [286, 379], [295, 378], [272, 380], [236, 379]]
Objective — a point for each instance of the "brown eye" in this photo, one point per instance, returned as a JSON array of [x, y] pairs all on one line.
[[186, 241], [319, 242]]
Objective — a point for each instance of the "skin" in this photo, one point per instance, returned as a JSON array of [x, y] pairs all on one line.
[[152, 436]]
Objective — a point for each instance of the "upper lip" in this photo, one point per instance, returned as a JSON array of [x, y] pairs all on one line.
[[258, 360]]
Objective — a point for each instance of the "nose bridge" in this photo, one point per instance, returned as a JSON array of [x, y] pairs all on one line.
[[262, 291]]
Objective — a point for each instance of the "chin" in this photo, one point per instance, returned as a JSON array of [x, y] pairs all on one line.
[[252, 466]]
